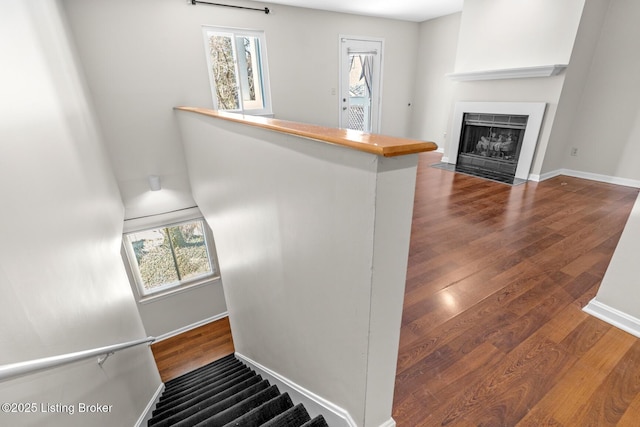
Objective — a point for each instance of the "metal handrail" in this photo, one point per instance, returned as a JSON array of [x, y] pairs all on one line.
[[13, 370]]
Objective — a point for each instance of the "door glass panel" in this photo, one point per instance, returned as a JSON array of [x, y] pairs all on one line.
[[360, 84], [360, 93]]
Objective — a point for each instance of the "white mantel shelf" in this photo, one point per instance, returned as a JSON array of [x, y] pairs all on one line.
[[509, 73]]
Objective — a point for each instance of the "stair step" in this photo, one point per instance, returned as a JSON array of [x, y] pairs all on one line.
[[214, 372], [196, 387], [235, 384], [263, 413], [198, 371], [207, 370], [213, 416], [212, 405], [227, 393], [293, 417], [205, 409], [211, 389], [221, 418], [318, 421]]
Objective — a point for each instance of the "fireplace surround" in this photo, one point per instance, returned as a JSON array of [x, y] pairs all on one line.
[[495, 140]]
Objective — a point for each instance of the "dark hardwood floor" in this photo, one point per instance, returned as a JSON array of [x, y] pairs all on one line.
[[493, 333], [192, 349]]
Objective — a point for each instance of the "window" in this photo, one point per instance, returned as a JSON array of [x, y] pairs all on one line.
[[172, 256], [237, 63]]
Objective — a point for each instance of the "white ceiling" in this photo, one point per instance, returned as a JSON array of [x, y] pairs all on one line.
[[408, 10]]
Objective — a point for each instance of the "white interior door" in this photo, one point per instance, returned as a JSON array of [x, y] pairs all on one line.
[[360, 84]]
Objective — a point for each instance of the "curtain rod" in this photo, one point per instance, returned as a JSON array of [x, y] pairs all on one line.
[[194, 2]]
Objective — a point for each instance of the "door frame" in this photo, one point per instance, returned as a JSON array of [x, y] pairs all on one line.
[[341, 65]]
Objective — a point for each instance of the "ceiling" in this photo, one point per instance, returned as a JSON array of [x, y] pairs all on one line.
[[407, 10]]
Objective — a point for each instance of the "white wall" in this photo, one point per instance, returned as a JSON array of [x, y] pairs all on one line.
[[63, 287], [189, 307], [143, 58], [498, 34], [607, 135], [607, 129], [592, 106], [589, 31], [619, 293], [313, 242], [438, 39]]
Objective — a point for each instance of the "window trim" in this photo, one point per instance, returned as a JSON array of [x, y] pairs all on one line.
[[267, 110], [163, 291]]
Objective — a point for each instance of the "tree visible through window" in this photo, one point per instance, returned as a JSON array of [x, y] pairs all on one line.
[[237, 70], [169, 256]]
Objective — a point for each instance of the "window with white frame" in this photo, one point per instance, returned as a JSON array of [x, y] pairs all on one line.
[[172, 256], [237, 62]]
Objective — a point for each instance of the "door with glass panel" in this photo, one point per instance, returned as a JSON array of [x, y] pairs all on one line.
[[360, 84]]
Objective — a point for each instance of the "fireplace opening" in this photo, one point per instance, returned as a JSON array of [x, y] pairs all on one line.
[[490, 145]]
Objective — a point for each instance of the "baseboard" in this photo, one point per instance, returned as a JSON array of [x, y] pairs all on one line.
[[545, 176], [389, 423], [146, 415], [588, 175], [315, 405], [614, 317], [192, 326]]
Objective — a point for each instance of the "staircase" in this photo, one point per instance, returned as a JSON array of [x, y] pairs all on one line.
[[227, 393]]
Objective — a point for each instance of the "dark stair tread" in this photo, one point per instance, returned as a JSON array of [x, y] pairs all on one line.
[[318, 421], [196, 387], [204, 380], [182, 380], [195, 396], [211, 416], [232, 386], [263, 413], [219, 402], [216, 372], [178, 400], [293, 417], [188, 376], [227, 393], [212, 365]]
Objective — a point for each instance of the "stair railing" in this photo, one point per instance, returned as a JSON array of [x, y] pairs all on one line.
[[13, 370]]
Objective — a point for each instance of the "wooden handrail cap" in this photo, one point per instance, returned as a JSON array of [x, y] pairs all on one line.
[[381, 145]]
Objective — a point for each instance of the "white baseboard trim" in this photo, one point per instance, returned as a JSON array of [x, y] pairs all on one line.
[[315, 405], [146, 415], [614, 317], [588, 175], [192, 326], [389, 423], [544, 176]]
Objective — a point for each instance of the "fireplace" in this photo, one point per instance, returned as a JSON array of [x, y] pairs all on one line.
[[490, 145], [495, 140]]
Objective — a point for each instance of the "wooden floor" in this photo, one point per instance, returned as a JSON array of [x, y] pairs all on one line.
[[493, 333], [190, 350]]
